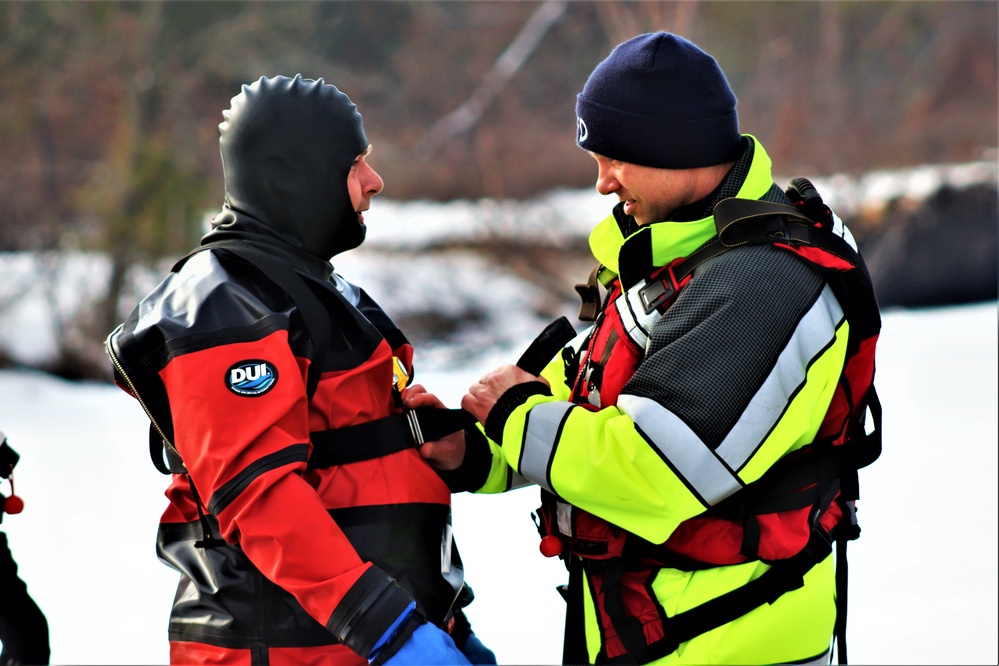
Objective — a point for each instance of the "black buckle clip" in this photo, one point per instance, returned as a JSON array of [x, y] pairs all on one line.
[[656, 293]]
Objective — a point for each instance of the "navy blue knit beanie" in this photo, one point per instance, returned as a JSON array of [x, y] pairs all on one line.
[[659, 101]]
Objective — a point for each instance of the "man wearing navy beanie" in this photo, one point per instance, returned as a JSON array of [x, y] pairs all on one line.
[[687, 444], [659, 101]]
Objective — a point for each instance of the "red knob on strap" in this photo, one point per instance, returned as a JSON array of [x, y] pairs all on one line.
[[551, 546], [13, 504]]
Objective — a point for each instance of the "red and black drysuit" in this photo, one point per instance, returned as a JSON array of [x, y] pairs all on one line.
[[303, 522]]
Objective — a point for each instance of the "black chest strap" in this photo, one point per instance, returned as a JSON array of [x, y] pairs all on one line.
[[381, 437]]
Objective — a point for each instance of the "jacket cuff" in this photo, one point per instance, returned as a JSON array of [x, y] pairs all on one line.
[[474, 469], [514, 397], [368, 610]]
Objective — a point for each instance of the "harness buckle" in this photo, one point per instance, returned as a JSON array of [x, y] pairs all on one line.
[[658, 292], [414, 428], [655, 294]]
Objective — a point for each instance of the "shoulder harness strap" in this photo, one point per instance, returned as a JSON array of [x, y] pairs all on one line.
[[279, 273], [308, 304]]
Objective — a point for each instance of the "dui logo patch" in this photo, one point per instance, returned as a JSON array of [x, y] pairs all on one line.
[[251, 378]]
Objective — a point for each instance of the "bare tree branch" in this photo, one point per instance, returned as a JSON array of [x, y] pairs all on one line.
[[466, 116]]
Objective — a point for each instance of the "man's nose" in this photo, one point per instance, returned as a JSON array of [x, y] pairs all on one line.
[[375, 182], [606, 183]]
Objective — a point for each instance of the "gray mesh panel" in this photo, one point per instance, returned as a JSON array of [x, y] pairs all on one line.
[[713, 348]]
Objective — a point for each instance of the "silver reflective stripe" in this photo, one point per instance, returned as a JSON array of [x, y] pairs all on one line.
[[631, 327], [843, 231], [543, 423], [637, 323], [813, 334], [696, 464], [518, 481], [563, 514]]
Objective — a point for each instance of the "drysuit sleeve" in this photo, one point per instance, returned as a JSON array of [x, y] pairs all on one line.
[[241, 425], [739, 372]]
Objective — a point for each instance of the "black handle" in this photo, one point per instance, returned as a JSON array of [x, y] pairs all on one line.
[[803, 188], [546, 345]]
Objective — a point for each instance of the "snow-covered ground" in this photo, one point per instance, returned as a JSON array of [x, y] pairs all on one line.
[[923, 586]]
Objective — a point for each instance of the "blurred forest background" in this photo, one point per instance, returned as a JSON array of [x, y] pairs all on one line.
[[109, 110]]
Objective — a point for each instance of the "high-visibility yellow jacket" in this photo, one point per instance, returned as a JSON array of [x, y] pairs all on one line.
[[652, 421]]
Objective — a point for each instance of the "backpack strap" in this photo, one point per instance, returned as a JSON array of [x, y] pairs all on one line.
[[589, 296], [750, 221]]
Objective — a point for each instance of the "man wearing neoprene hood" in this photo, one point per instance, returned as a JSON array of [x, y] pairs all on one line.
[[304, 524]]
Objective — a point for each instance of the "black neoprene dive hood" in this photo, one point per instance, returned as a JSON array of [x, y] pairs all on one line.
[[287, 146]]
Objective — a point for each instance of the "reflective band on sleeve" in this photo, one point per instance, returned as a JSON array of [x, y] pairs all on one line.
[[517, 481], [541, 433], [815, 332], [697, 465]]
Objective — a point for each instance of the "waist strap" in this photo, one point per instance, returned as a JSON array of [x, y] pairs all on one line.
[[782, 577]]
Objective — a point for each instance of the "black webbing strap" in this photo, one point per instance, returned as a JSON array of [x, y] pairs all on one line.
[[209, 540], [589, 296], [382, 437], [574, 636], [314, 315], [750, 221], [157, 447], [782, 577], [842, 575], [364, 441]]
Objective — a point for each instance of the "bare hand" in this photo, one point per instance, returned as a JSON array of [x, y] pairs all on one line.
[[446, 453], [482, 395]]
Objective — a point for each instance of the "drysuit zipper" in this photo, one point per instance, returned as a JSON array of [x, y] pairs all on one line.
[[135, 392]]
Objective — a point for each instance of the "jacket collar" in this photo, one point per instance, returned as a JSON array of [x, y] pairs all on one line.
[[617, 243]]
